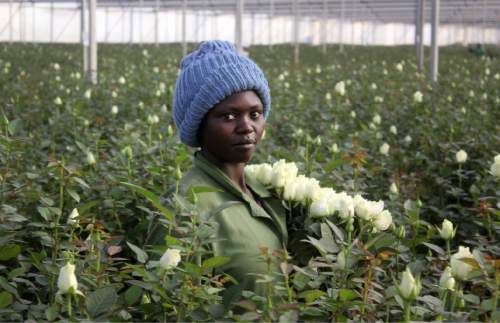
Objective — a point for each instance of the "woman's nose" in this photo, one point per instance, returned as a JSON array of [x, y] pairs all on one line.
[[244, 124]]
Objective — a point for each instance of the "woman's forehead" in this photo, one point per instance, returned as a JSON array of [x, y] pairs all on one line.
[[245, 98]]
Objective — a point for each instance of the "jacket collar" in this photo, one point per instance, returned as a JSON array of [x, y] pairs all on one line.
[[227, 184]]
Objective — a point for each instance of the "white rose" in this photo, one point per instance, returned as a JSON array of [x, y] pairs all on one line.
[[319, 208], [383, 220], [307, 189], [461, 156], [264, 174], [251, 171], [377, 119], [393, 189], [72, 218], [407, 139], [393, 130], [343, 204], [114, 110], [121, 80], [418, 97], [170, 258], [460, 269], [88, 94], [67, 279], [283, 172], [290, 189], [340, 88], [447, 281], [384, 149], [447, 232], [58, 101], [409, 288], [353, 114], [495, 167], [367, 210], [90, 158], [399, 67]]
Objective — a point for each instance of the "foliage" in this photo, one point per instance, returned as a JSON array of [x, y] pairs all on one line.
[[52, 125]]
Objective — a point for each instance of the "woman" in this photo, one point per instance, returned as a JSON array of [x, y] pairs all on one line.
[[221, 101]]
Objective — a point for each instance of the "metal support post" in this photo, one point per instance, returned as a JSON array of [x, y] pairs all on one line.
[[93, 41], [419, 33], [184, 44], [238, 32], [84, 36], [434, 41], [341, 27], [323, 27], [295, 32], [157, 14]]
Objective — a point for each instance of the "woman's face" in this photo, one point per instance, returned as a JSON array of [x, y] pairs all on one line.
[[231, 130]]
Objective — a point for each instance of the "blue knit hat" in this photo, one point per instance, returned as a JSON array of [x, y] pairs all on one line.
[[208, 75]]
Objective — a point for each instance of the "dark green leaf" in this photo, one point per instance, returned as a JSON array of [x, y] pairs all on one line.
[[214, 262], [5, 299], [133, 294], [9, 251], [101, 300], [141, 255], [154, 199]]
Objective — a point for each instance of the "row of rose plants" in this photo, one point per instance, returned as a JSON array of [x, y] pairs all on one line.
[[398, 190]]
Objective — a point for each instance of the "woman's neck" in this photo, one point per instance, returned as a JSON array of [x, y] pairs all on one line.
[[235, 171]]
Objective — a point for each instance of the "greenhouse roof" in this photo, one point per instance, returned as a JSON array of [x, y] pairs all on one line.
[[483, 12]]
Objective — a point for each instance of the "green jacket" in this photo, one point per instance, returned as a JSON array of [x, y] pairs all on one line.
[[244, 227]]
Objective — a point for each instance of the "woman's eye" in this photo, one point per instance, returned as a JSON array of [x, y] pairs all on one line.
[[255, 114], [229, 116]]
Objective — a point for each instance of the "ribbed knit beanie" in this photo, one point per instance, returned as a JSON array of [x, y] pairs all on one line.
[[208, 75]]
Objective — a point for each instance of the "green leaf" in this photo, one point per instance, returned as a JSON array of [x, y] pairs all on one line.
[[214, 262], [9, 251], [52, 312], [101, 300], [347, 294], [154, 199], [133, 294], [312, 295], [45, 213], [437, 249], [141, 255], [338, 232], [74, 195], [5, 299]]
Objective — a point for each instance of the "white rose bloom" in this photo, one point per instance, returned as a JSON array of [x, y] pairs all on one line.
[[290, 190], [377, 119], [378, 99], [56, 66], [251, 171], [495, 167], [367, 210], [353, 114], [90, 158], [447, 232], [409, 288], [418, 97], [114, 109], [283, 172], [114, 94], [67, 279], [328, 96], [460, 269], [408, 139], [340, 88], [384, 149], [394, 189], [121, 80], [383, 220], [307, 189], [88, 94], [58, 101], [335, 148], [264, 174], [447, 281], [393, 130], [319, 208], [343, 204], [373, 86], [72, 218], [461, 156], [153, 119], [170, 258], [399, 67]]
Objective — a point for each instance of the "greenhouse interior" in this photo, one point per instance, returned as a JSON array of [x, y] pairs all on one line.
[[250, 160]]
